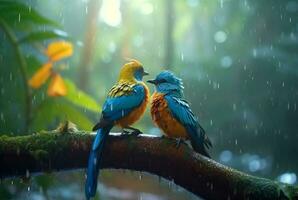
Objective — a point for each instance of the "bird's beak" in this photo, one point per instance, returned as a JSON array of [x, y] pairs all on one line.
[[153, 81], [145, 73]]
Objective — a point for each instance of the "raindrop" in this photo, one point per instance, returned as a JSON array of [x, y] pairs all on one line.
[[182, 56], [19, 17], [254, 52], [226, 62], [211, 122], [214, 85], [236, 142], [86, 9], [288, 106], [234, 106], [245, 3], [27, 173], [293, 36], [140, 176], [225, 156], [221, 3], [28, 188], [220, 36], [289, 178], [254, 165], [244, 114], [94, 161]]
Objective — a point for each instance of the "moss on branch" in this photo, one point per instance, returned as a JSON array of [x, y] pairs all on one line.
[[54, 151]]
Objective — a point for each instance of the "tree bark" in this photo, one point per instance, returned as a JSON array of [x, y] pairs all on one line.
[[89, 43], [169, 6], [54, 151]]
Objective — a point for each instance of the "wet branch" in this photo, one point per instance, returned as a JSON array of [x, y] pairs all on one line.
[[54, 151]]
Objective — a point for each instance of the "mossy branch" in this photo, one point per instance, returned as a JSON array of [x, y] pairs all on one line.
[[54, 151]]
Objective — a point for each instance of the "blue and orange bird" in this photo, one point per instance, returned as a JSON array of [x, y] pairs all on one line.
[[125, 104], [173, 115]]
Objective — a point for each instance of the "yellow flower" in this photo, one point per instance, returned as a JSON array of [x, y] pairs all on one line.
[[41, 75], [57, 86], [55, 52], [59, 50]]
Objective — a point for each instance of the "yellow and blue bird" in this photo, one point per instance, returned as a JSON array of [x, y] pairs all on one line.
[[125, 104], [172, 114]]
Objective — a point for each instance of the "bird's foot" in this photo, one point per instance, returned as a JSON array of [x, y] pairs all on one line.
[[133, 131], [124, 132], [136, 132], [179, 141]]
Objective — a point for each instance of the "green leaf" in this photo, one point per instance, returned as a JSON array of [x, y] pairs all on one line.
[[52, 111], [80, 98], [44, 35], [13, 12]]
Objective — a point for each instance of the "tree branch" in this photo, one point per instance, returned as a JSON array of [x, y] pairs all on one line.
[[53, 151]]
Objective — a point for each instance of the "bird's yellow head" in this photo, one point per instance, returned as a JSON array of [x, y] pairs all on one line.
[[132, 71]]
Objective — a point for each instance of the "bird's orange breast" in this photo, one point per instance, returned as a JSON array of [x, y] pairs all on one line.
[[163, 118], [137, 113]]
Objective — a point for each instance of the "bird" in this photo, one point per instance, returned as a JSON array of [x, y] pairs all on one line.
[[125, 104], [173, 115]]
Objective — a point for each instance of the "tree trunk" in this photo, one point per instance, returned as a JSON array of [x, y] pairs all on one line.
[[169, 26], [89, 43], [54, 151]]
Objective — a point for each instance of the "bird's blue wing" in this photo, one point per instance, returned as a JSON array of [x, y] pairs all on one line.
[[181, 111], [117, 107]]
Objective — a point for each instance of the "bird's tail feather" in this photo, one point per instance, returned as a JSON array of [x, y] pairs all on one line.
[[94, 161], [200, 142]]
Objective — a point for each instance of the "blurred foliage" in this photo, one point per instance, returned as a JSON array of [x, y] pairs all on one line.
[[16, 20], [238, 60]]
